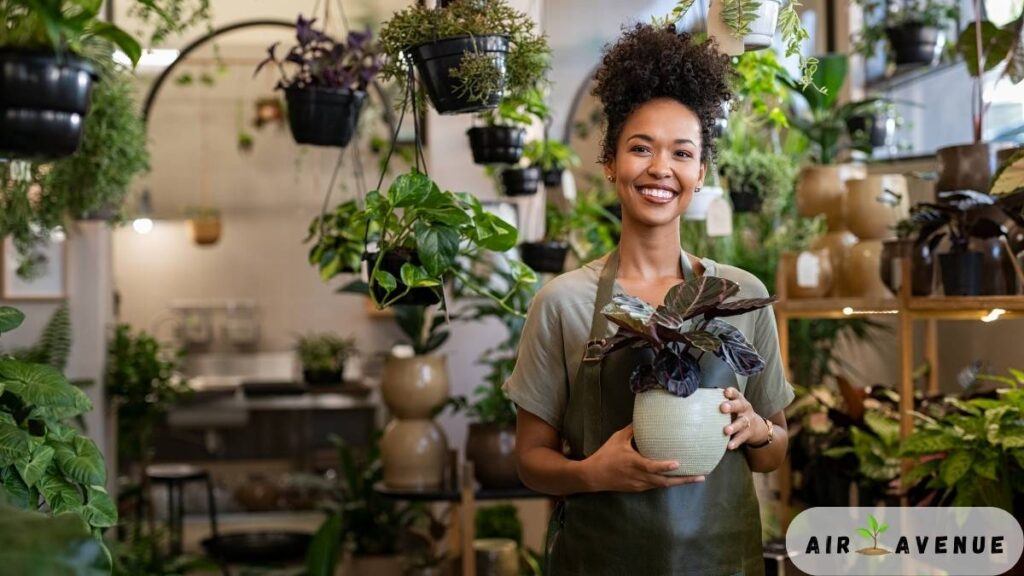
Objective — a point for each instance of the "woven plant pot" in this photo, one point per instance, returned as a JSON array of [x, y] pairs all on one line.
[[688, 430]]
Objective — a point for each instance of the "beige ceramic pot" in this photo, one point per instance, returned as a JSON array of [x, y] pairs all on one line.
[[414, 387], [863, 271], [492, 449], [875, 204], [413, 453], [496, 557], [821, 189], [838, 244], [688, 430], [808, 274], [205, 230]]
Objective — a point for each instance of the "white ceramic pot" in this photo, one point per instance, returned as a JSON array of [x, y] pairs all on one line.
[[688, 430], [762, 29], [698, 208]]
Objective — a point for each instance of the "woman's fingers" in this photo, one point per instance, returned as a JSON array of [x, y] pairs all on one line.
[[739, 439], [658, 481], [657, 466]]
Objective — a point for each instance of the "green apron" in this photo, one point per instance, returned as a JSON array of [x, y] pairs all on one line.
[[712, 528]]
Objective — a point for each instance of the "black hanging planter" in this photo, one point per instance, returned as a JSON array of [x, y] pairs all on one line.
[[436, 60], [496, 144], [874, 127], [324, 116], [546, 257], [392, 264], [521, 181], [323, 377], [745, 201], [43, 102], [552, 177], [914, 43], [961, 272]]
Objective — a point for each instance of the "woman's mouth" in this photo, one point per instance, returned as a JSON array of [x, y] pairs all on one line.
[[657, 195]]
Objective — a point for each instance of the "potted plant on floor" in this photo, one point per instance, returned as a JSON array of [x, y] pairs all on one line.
[[672, 414], [913, 33], [45, 77], [323, 357], [469, 53], [552, 157], [500, 139], [326, 87], [339, 235]]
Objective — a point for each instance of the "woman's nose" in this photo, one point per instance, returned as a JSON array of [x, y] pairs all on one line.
[[659, 167]]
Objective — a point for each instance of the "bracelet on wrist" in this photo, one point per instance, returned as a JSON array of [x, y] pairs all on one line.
[[771, 434]]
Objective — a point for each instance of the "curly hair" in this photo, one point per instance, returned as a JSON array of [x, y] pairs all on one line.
[[648, 63]]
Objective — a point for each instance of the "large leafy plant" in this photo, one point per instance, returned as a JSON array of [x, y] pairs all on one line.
[[339, 235], [762, 173], [32, 543], [319, 61], [689, 322], [63, 25], [519, 109], [42, 458]]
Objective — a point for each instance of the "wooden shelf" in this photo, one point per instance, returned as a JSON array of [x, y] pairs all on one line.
[[835, 307], [937, 307]]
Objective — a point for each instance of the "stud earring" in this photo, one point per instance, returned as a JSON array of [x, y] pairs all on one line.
[[696, 190], [610, 178]]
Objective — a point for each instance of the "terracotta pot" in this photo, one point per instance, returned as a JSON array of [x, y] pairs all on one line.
[[205, 231], [496, 557], [838, 244], [492, 448], [862, 272], [821, 189], [967, 167], [875, 204], [414, 387], [922, 266], [687, 430], [413, 453], [811, 280]]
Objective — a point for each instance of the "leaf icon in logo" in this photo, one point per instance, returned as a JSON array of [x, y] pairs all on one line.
[[871, 533]]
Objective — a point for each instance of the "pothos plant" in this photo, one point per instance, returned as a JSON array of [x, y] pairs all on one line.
[[43, 459], [518, 110], [681, 331], [339, 235]]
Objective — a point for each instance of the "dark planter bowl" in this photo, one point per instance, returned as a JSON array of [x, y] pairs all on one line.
[[392, 263], [746, 202], [998, 277], [323, 377], [915, 44], [544, 256], [961, 273], [258, 548], [922, 266], [492, 449], [521, 181], [322, 116], [496, 144], [966, 167], [552, 177], [43, 103], [435, 61], [875, 128]]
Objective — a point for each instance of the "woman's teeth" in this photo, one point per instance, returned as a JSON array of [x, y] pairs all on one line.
[[656, 193]]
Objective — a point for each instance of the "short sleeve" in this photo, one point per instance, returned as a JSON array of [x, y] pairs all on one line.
[[768, 391], [539, 383]]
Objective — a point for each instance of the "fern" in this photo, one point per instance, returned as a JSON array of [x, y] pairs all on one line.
[[677, 13], [54, 345], [738, 15]]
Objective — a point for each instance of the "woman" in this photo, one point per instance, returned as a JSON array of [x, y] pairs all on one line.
[[661, 93]]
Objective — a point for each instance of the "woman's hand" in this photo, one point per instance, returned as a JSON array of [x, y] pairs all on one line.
[[746, 425], [618, 467]]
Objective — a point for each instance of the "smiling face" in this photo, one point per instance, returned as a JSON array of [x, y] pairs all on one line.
[[657, 163]]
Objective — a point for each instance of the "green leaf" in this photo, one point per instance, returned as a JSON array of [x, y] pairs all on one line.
[[322, 556], [118, 37], [99, 511], [15, 444], [887, 429], [504, 236], [408, 189], [873, 522], [838, 451], [1013, 438], [34, 469], [883, 528], [437, 247], [925, 442], [385, 280], [987, 466], [61, 495], [18, 493], [995, 45], [865, 533], [80, 461], [32, 543], [45, 386], [955, 466], [10, 318]]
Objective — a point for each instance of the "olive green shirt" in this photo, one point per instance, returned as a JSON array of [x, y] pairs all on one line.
[[558, 326]]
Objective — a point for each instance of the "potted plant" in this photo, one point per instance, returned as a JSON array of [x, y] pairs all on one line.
[[326, 87], [204, 224], [913, 32], [971, 166], [339, 234], [552, 157], [519, 180], [323, 357], [753, 176], [872, 123], [500, 139], [673, 417], [549, 254], [45, 81], [917, 237], [469, 53]]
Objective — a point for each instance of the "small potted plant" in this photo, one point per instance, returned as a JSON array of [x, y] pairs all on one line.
[[500, 139], [469, 53], [913, 33], [552, 157], [326, 87], [519, 180], [45, 82], [549, 254], [872, 123], [753, 176], [339, 235], [204, 225], [323, 357], [673, 417]]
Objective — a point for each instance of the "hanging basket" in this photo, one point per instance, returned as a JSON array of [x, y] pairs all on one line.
[[43, 102], [552, 177], [521, 181], [205, 230], [393, 260], [914, 43], [496, 144], [322, 116], [546, 257], [436, 60], [762, 29]]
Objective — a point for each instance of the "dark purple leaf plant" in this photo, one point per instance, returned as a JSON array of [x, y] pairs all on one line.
[[319, 61], [682, 330]]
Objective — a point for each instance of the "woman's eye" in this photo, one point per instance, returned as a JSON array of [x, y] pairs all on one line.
[[638, 148], [684, 154]]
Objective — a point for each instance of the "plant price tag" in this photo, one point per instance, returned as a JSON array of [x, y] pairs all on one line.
[[808, 270], [719, 218]]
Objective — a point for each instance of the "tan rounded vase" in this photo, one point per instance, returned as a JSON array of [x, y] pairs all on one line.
[[838, 244], [875, 204], [688, 430], [413, 453], [414, 387], [863, 271], [808, 274], [820, 189]]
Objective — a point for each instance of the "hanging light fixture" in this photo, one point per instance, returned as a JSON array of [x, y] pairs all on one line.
[[143, 223]]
